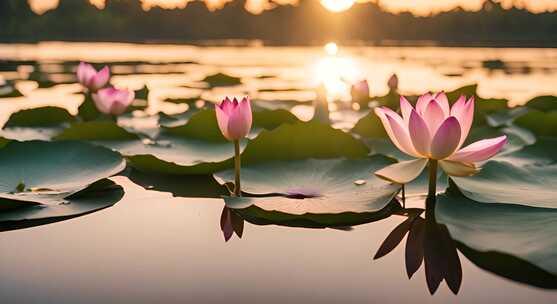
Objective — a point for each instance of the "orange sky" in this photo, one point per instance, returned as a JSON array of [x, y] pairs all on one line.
[[420, 7]]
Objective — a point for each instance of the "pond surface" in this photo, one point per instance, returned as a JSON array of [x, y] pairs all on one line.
[[153, 247]]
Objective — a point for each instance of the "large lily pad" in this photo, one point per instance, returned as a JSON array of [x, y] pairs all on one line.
[[38, 123], [526, 177], [170, 153], [314, 187], [39, 117], [516, 242], [43, 172], [303, 140], [100, 195], [541, 123], [543, 103]]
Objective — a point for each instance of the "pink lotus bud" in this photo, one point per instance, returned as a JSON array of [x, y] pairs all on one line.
[[90, 78], [393, 83], [435, 131], [113, 101], [234, 118], [360, 92]]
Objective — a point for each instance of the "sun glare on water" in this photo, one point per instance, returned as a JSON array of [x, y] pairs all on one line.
[[336, 73], [337, 5]]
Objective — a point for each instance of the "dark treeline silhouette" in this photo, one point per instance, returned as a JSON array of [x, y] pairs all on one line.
[[305, 23]]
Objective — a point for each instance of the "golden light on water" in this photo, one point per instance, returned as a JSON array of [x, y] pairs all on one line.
[[336, 73], [331, 48], [337, 5]]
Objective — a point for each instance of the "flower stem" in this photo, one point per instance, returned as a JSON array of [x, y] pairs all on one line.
[[237, 165], [403, 196], [432, 178]]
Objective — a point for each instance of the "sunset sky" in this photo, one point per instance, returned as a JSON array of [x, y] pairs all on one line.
[[419, 7]]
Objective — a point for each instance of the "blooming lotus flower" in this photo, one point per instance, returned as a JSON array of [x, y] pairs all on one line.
[[234, 118], [113, 101], [90, 78], [360, 92], [435, 132]]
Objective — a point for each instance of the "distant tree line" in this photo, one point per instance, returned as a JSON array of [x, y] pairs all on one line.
[[305, 23]]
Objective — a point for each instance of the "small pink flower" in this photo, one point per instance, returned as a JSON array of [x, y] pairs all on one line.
[[90, 78], [234, 118], [113, 101], [435, 131], [360, 91]]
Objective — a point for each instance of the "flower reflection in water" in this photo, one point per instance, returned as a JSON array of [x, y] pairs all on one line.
[[337, 73], [429, 243], [231, 223]]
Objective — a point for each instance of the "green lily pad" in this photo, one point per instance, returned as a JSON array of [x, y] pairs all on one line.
[[543, 103], [44, 172], [505, 117], [98, 196], [318, 186], [541, 123], [526, 177], [188, 101], [467, 90], [176, 120], [370, 126], [222, 80], [142, 93], [40, 117], [96, 131], [170, 153], [37, 124], [516, 242], [303, 140], [87, 110]]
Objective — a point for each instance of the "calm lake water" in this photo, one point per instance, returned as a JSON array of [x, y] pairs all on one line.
[[152, 247]]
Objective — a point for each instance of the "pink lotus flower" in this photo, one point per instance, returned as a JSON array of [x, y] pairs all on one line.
[[234, 118], [113, 101], [90, 78], [435, 132], [360, 91]]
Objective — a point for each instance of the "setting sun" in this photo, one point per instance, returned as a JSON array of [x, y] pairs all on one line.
[[337, 5]]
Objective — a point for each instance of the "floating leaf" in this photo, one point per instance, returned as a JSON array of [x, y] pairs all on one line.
[[526, 177], [303, 140], [39, 117], [171, 152], [142, 93], [505, 117], [313, 187], [222, 80], [100, 195], [87, 110], [467, 90], [96, 131], [37, 171], [370, 126], [541, 123], [516, 242], [188, 101], [543, 103]]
